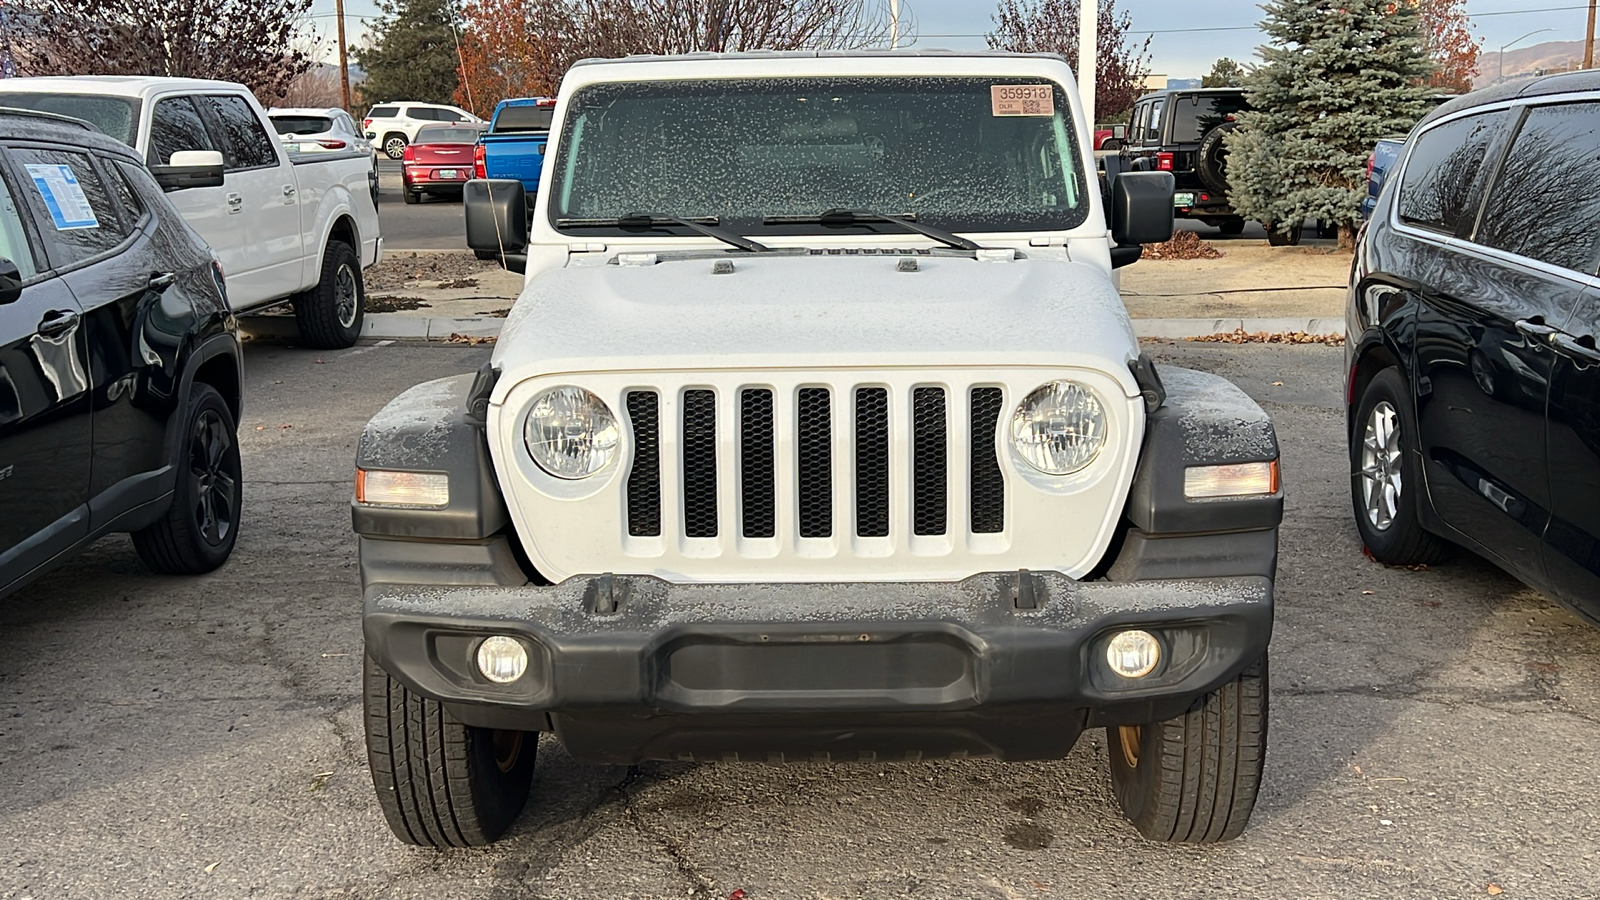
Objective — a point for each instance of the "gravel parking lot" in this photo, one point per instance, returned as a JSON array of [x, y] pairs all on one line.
[[1431, 734]]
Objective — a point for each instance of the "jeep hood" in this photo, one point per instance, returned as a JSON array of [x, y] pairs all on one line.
[[816, 311]]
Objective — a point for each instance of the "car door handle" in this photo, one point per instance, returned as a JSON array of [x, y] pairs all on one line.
[[288, 190], [160, 281], [1569, 345], [235, 201], [1536, 329], [57, 322]]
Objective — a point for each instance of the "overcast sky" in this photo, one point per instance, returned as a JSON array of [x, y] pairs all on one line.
[[1187, 35]]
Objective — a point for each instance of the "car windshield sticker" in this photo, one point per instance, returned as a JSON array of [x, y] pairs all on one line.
[[1023, 99], [63, 196]]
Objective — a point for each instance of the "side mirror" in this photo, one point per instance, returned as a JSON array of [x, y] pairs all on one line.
[[1141, 212], [496, 211], [190, 169], [10, 282]]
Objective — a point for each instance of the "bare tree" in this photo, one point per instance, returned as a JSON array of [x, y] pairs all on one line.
[[523, 47], [317, 87], [255, 42], [1051, 26]]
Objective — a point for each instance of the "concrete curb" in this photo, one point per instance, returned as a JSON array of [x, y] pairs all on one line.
[[400, 327]]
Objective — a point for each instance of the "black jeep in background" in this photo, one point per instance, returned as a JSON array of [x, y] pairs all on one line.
[[1182, 132]]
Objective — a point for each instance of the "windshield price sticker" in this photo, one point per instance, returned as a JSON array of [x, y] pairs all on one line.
[[63, 196], [1023, 99]]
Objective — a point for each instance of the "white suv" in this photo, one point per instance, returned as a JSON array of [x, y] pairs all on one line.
[[391, 126]]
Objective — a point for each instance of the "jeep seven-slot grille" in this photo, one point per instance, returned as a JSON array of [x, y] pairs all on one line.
[[808, 419]]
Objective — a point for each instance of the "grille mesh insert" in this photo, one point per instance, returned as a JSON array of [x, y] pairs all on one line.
[[988, 484], [699, 463], [644, 481], [872, 462], [757, 482], [929, 461], [814, 462]]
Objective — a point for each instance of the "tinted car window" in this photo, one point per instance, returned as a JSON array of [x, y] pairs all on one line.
[[70, 204], [116, 116], [13, 238], [1544, 204], [246, 144], [176, 125], [126, 197], [524, 118], [302, 124], [423, 113], [383, 112], [1440, 182], [1196, 114], [447, 134], [1152, 131], [448, 115]]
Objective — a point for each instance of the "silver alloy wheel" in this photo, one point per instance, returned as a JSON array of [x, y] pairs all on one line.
[[344, 296], [395, 147], [1380, 466]]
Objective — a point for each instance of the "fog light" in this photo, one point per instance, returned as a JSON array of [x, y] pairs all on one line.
[[1133, 654], [1241, 480], [502, 659]]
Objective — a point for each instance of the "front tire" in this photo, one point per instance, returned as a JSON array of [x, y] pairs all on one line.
[[441, 783], [1194, 778], [198, 533], [1231, 227], [1385, 479], [330, 314]]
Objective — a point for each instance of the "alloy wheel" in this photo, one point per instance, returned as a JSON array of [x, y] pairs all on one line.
[[345, 296], [214, 485], [1381, 480]]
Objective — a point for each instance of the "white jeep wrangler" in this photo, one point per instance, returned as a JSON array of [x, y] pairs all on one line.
[[819, 432]]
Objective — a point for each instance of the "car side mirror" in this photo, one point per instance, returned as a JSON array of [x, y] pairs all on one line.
[[1141, 213], [496, 211], [190, 169], [10, 282]]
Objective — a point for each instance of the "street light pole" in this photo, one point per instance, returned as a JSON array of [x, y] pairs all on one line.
[[1500, 61], [1088, 54], [1588, 40]]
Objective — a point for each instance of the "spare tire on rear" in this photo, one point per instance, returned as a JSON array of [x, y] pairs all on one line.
[[1211, 158]]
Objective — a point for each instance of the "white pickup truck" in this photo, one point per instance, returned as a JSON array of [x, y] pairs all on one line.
[[286, 227]]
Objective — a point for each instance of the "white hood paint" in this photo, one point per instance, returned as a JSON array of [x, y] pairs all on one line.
[[816, 312]]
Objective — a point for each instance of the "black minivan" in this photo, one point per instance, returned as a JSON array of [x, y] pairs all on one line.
[[1474, 312], [119, 359]]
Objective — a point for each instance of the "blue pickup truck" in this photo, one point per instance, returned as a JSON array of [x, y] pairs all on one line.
[[1382, 159], [513, 147]]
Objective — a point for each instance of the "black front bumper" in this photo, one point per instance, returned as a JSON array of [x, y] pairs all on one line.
[[625, 668]]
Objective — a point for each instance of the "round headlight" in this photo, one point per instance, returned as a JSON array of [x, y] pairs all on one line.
[[570, 432], [1059, 428]]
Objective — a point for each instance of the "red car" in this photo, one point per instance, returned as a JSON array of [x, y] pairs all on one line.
[[439, 161]]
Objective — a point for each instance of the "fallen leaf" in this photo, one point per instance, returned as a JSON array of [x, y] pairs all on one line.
[[1277, 384], [1357, 768], [213, 867], [319, 781], [738, 894], [1495, 889], [1368, 593], [261, 428]]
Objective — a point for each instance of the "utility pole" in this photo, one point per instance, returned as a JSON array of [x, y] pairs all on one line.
[[344, 55], [894, 23], [1088, 54], [1588, 41]]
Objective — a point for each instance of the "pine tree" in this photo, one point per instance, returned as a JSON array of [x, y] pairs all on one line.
[[1336, 76], [411, 53], [1224, 73]]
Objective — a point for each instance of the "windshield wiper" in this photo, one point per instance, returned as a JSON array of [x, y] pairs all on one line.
[[654, 221], [836, 218]]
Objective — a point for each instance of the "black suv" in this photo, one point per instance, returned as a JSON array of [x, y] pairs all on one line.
[[119, 358], [1182, 131], [1474, 391]]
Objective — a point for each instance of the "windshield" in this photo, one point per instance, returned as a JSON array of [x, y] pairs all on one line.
[[1196, 114], [302, 124], [447, 134], [524, 118], [118, 117], [740, 151]]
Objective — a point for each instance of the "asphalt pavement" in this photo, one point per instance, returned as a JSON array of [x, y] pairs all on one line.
[[433, 224], [1432, 731]]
